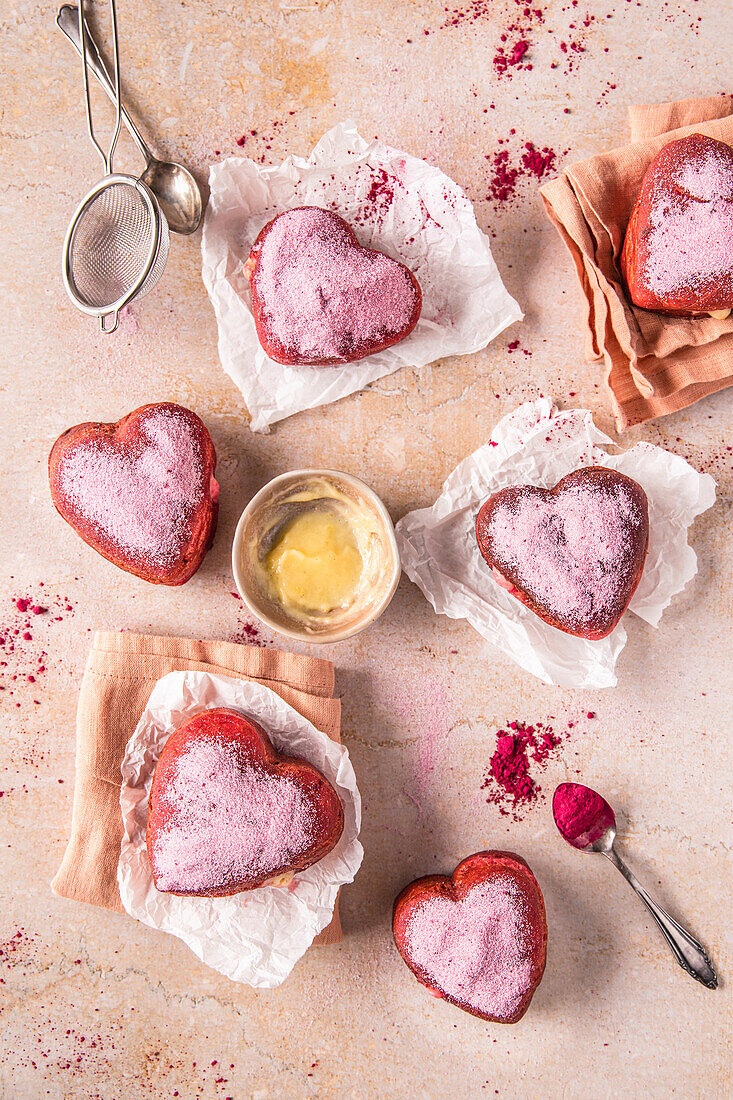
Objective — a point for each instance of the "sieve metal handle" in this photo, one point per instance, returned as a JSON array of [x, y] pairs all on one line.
[[86, 38], [68, 21], [108, 329]]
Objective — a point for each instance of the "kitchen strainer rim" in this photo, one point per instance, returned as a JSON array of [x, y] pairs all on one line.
[[156, 216]]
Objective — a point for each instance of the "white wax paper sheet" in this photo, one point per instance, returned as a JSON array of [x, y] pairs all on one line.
[[394, 202], [538, 445], [255, 937]]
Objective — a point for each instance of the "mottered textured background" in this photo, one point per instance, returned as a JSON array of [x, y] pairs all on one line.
[[93, 1005]]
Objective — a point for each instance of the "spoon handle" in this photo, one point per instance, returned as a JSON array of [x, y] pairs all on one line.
[[688, 952], [68, 21]]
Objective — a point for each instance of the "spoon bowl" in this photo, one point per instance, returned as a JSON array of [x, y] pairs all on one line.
[[585, 820], [177, 192]]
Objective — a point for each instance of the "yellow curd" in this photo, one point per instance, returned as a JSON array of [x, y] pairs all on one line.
[[315, 564]]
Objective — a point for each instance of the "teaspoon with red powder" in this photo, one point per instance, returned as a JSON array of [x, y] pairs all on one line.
[[587, 822]]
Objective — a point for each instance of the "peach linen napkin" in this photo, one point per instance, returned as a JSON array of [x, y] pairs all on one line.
[[654, 364], [119, 676]]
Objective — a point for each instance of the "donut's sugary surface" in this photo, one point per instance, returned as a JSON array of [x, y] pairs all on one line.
[[573, 554], [678, 251], [228, 813], [321, 299], [477, 938], [142, 491]]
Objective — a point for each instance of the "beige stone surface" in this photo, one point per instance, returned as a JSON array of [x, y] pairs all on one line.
[[94, 1005]]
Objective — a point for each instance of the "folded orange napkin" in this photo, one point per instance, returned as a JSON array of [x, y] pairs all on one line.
[[119, 676], [654, 364]]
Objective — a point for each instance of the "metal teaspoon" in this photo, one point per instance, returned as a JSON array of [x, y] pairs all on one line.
[[173, 185], [587, 822]]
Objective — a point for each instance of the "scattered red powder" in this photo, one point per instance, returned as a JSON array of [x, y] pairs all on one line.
[[503, 60], [472, 12], [514, 345], [522, 30], [18, 950], [28, 621], [263, 139], [610, 87], [717, 461], [538, 162], [515, 42], [503, 178], [508, 778], [247, 633], [60, 1059], [507, 171]]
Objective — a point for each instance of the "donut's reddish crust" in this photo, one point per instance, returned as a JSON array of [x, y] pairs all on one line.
[[636, 248], [276, 350], [550, 615], [126, 432], [473, 870], [229, 726]]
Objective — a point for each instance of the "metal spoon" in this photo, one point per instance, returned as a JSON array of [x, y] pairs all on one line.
[[173, 185], [595, 831]]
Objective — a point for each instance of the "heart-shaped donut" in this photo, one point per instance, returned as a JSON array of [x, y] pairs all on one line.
[[478, 938], [142, 491], [228, 813], [573, 554], [319, 298], [678, 251]]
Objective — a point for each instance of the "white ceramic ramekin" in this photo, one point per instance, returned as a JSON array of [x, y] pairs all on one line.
[[273, 615]]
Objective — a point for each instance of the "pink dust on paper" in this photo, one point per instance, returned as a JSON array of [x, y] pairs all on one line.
[[142, 499], [375, 192], [690, 243], [569, 552], [322, 298], [476, 950], [230, 821]]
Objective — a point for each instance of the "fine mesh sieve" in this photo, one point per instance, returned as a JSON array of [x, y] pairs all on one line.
[[117, 243]]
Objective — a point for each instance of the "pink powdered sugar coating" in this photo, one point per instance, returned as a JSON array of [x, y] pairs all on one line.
[[477, 950], [690, 243], [570, 552], [322, 297], [141, 499], [231, 821]]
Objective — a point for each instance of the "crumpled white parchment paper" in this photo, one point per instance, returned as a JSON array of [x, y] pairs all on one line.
[[538, 445], [255, 937], [394, 202]]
